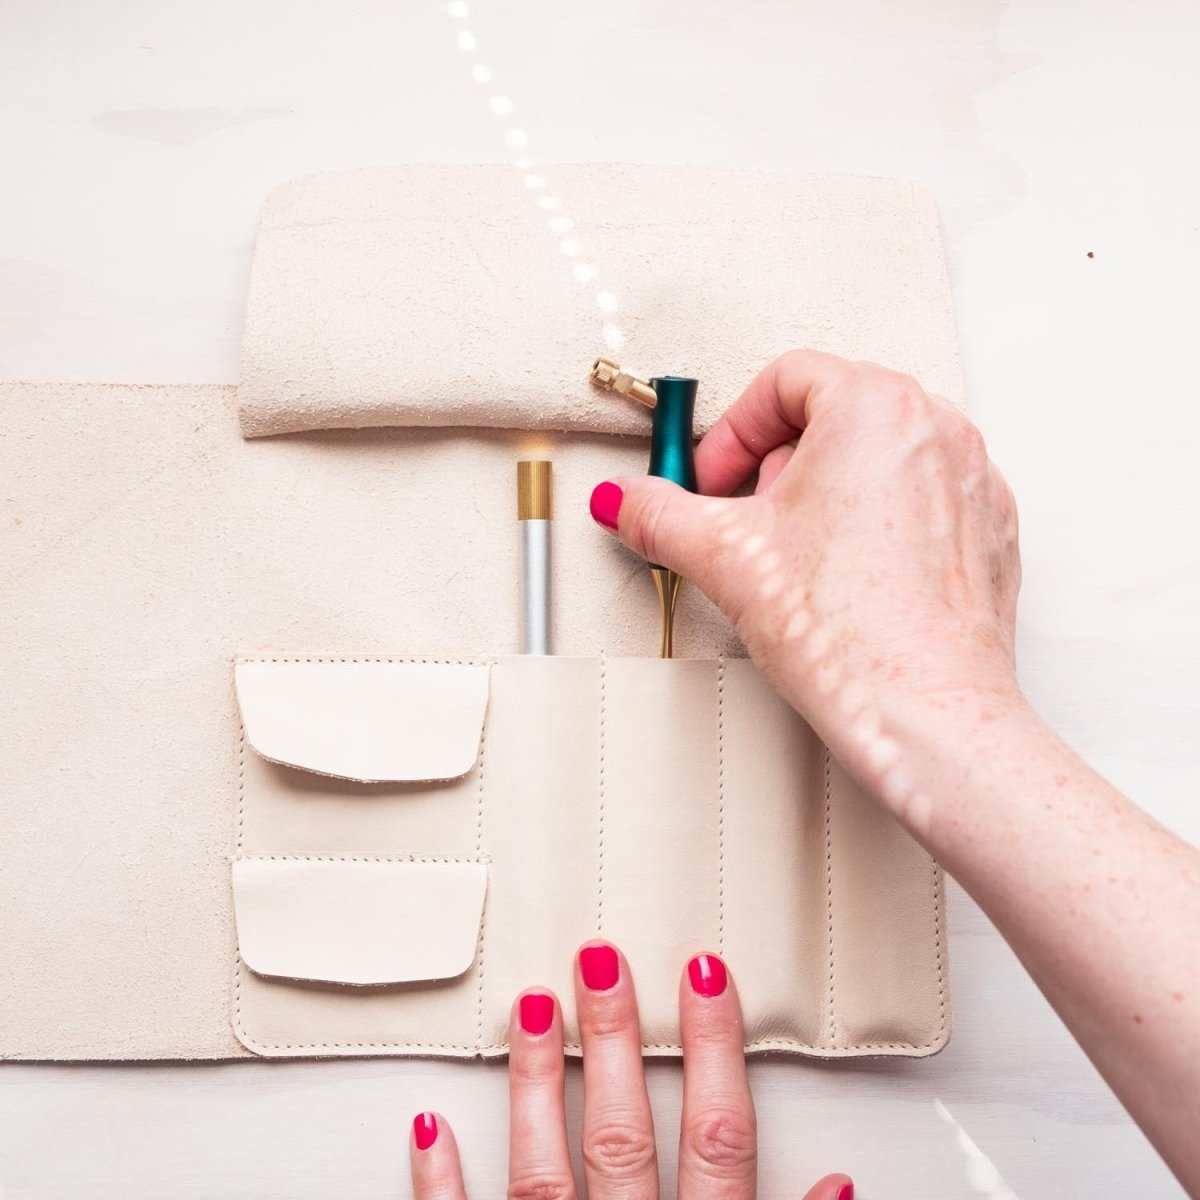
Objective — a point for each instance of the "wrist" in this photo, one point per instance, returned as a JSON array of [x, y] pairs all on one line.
[[927, 758]]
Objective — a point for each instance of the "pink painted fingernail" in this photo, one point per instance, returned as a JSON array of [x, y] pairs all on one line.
[[599, 967], [846, 1192], [707, 975], [606, 504], [536, 1011], [424, 1130]]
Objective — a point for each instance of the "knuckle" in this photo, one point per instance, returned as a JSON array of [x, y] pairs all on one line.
[[972, 445], [604, 1021], [881, 390], [534, 1070], [619, 1150], [541, 1186], [904, 395], [723, 1141]]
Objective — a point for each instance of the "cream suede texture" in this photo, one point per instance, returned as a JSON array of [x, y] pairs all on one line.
[[437, 295], [671, 806]]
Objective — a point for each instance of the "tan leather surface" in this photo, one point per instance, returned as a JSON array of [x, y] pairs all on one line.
[[361, 921], [672, 806], [435, 294]]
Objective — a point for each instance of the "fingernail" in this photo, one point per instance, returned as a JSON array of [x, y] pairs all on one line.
[[536, 1011], [606, 504], [599, 967], [845, 1192], [425, 1130], [708, 977]]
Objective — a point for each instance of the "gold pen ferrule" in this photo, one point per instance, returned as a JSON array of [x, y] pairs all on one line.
[[535, 500]]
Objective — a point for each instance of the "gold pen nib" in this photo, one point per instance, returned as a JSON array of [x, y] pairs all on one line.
[[607, 374], [666, 584]]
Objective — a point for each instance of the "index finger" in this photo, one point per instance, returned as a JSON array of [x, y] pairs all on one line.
[[771, 411]]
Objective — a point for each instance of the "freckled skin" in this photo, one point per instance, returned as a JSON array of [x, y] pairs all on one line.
[[895, 542]]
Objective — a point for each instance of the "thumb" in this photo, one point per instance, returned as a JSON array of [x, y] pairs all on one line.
[[662, 522]]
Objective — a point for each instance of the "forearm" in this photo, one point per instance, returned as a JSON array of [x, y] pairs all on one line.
[[1100, 902]]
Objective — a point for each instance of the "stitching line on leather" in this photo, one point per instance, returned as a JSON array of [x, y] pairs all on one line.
[[363, 858], [503, 1048], [829, 898], [435, 662], [603, 764], [938, 909], [483, 910], [721, 804], [241, 808]]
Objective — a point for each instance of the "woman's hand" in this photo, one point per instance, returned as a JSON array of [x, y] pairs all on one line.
[[718, 1151], [873, 577], [874, 572]]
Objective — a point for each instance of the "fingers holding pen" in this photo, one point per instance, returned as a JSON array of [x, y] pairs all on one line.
[[776, 406], [663, 523]]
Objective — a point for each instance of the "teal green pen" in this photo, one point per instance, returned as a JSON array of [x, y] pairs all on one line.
[[673, 400]]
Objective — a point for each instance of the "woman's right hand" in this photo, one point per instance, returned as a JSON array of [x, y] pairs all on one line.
[[872, 575]]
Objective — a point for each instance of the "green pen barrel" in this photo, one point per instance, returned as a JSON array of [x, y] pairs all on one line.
[[671, 451], [671, 455]]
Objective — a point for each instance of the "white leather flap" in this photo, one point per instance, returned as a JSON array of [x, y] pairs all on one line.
[[373, 722], [356, 920]]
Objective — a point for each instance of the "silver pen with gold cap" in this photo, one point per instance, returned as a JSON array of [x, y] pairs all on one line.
[[535, 513]]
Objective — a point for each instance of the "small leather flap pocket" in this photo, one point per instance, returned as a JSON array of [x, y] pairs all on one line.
[[374, 722], [357, 920]]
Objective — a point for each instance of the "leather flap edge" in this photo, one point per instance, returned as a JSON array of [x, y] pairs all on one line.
[[373, 722], [358, 921]]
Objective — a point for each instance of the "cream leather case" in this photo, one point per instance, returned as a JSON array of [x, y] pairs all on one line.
[[270, 780]]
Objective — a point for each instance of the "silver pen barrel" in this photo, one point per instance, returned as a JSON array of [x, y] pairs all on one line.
[[535, 516]]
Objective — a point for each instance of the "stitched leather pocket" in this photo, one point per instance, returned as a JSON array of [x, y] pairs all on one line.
[[671, 806]]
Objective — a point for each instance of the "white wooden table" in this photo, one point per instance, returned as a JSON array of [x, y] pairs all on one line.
[[137, 140]]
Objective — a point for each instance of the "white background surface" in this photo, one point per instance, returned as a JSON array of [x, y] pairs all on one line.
[[137, 140]]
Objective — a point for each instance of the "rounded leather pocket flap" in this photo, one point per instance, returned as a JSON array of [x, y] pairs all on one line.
[[373, 722], [358, 921]]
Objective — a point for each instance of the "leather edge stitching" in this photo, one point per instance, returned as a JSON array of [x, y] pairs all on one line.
[[601, 797], [721, 804], [829, 923], [483, 909]]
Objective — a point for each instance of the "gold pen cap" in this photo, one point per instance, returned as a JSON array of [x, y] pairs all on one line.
[[534, 493]]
